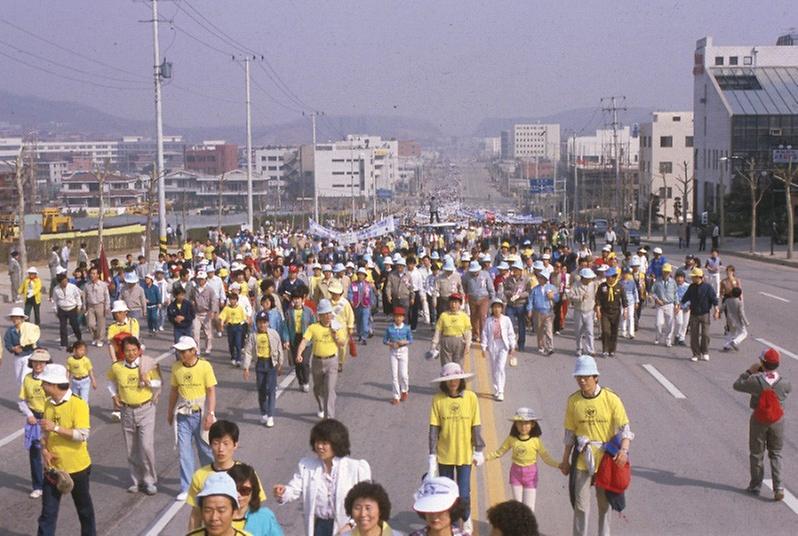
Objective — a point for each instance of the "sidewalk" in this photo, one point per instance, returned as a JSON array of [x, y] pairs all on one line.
[[739, 247]]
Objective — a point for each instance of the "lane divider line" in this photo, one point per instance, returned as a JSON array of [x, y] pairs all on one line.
[[779, 348], [171, 511], [665, 382], [494, 482], [475, 511], [769, 295], [789, 498], [11, 437]]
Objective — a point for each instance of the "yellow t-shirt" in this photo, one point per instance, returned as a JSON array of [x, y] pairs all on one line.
[[31, 392], [233, 315], [298, 319], [262, 345], [127, 383], [344, 313], [524, 451], [453, 325], [193, 382], [455, 415], [187, 251], [79, 367], [209, 252], [598, 418], [322, 339], [238, 532], [201, 475], [70, 456], [131, 326]]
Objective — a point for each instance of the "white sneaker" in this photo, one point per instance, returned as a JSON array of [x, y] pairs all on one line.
[[99, 344], [320, 414], [694, 358], [269, 422], [182, 496], [656, 342], [468, 526], [499, 397], [35, 494], [233, 362], [116, 416], [705, 357], [306, 388], [160, 328], [264, 418]]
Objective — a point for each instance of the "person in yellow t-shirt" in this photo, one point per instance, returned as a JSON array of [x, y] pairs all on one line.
[[218, 503], [234, 318], [133, 384], [31, 404], [452, 337], [455, 425], [525, 444], [192, 404], [598, 414], [81, 371], [223, 437], [326, 339], [65, 428], [344, 315]]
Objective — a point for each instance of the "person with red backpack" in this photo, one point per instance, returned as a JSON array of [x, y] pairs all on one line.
[[768, 392]]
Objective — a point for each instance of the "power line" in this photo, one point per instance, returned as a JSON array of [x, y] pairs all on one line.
[[66, 77]]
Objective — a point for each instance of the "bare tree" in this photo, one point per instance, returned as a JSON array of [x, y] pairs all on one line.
[[787, 176], [684, 182], [102, 174], [758, 184], [22, 174], [150, 201]]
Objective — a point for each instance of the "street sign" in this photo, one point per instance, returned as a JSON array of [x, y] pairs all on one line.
[[384, 193], [784, 156], [541, 186]]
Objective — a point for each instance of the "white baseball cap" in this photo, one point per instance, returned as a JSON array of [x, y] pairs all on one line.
[[54, 373], [436, 494], [184, 343]]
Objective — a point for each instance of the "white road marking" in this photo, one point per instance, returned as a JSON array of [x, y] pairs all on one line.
[[11, 437], [172, 510], [165, 518], [665, 382], [779, 348], [789, 498], [774, 297]]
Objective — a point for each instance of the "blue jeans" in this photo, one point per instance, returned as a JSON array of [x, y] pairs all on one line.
[[182, 332], [189, 428], [152, 317], [36, 466], [235, 341], [463, 482], [518, 315], [266, 374], [323, 527], [82, 388], [362, 319], [51, 502]]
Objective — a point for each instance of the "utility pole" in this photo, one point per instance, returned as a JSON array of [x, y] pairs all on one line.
[[576, 178], [613, 108], [313, 116], [249, 147], [159, 167]]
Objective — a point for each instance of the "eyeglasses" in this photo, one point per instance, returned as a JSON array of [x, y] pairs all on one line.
[[245, 490]]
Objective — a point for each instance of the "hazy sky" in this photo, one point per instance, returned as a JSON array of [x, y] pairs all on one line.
[[454, 62]]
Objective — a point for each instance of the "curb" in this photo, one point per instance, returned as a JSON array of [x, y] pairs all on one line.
[[762, 258]]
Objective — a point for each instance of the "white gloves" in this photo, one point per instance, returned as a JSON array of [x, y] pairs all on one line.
[[432, 468], [479, 458]]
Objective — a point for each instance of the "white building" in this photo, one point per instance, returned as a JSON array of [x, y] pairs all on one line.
[[80, 190], [535, 141], [492, 147], [269, 162], [357, 166], [599, 148], [666, 162], [745, 102]]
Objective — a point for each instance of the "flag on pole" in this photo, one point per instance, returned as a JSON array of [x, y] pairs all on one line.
[[105, 271]]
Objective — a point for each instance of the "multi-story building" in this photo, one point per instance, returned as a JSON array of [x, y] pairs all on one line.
[[492, 147], [355, 167], [269, 163], [506, 143], [536, 140], [137, 154], [745, 102], [212, 157], [666, 163], [80, 190]]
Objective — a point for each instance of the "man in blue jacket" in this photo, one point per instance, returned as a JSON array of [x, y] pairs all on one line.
[[703, 301], [297, 320]]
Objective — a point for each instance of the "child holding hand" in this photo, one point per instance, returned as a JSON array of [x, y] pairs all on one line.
[[524, 441], [397, 337]]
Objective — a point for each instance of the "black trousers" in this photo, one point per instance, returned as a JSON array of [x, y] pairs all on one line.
[[414, 310], [72, 317], [51, 503], [609, 331]]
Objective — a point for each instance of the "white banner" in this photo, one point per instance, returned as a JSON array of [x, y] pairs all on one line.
[[380, 228]]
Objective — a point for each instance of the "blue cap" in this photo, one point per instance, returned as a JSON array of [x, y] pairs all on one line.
[[518, 265], [339, 268], [434, 256], [611, 271], [587, 273], [474, 266], [262, 315], [585, 366]]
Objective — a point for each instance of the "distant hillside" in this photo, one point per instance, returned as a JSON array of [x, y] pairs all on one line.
[[53, 118], [582, 120]]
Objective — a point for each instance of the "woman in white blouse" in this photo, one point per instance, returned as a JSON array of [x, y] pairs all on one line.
[[499, 341], [324, 480]]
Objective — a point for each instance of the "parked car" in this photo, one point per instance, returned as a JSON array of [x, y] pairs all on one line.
[[600, 225], [634, 237]]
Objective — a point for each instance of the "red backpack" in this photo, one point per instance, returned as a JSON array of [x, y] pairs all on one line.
[[768, 409]]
